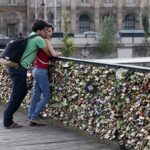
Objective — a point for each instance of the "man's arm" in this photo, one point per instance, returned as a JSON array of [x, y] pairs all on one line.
[[46, 51], [51, 50], [41, 44]]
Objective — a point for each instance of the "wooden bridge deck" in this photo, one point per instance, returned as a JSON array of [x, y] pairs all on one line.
[[49, 137]]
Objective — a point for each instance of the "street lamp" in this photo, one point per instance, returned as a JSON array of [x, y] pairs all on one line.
[[43, 5], [55, 15], [36, 9], [42, 8], [44, 16]]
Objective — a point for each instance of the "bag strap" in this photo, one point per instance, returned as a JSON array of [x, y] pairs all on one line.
[[41, 61], [27, 55], [30, 37]]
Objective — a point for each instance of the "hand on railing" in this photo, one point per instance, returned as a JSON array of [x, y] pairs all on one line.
[[59, 53]]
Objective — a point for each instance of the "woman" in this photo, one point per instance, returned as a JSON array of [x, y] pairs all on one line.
[[41, 89]]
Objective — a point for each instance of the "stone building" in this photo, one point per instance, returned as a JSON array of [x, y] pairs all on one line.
[[83, 15]]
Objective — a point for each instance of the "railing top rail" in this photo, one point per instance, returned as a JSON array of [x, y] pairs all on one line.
[[124, 60], [132, 67]]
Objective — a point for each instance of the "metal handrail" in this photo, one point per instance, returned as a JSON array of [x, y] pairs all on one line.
[[103, 62]]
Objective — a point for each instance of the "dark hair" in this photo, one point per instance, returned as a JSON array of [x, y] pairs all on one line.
[[51, 26], [39, 24]]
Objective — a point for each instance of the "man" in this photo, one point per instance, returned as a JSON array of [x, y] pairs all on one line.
[[18, 76]]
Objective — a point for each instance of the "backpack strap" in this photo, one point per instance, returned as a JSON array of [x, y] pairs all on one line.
[[30, 37], [27, 55]]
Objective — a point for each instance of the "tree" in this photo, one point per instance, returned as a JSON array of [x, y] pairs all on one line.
[[145, 23], [68, 46], [106, 42]]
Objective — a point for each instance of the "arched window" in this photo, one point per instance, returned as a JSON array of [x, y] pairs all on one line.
[[109, 15], [113, 19], [108, 1], [129, 22], [11, 2], [12, 20], [50, 18], [84, 23]]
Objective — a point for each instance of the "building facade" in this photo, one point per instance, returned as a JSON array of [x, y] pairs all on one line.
[[83, 15]]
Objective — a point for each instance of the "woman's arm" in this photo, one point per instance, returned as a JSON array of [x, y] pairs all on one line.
[[51, 50]]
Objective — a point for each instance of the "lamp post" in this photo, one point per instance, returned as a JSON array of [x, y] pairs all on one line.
[[55, 15], [43, 5], [36, 9]]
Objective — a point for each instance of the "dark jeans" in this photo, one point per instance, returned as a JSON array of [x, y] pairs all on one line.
[[19, 91]]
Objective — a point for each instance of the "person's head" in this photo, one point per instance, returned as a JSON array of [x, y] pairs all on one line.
[[49, 31], [40, 26]]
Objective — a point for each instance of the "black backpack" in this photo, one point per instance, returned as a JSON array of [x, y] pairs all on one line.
[[15, 49]]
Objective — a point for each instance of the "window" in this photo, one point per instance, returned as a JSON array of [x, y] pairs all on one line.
[[108, 1], [50, 3], [112, 19], [31, 2], [84, 1], [108, 15], [84, 23], [51, 18], [11, 30], [13, 2], [12, 17], [129, 1], [129, 22]]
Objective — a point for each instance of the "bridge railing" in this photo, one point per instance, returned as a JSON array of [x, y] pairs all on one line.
[[110, 101]]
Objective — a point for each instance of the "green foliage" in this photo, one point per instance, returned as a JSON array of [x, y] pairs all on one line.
[[145, 22], [106, 42], [68, 46]]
